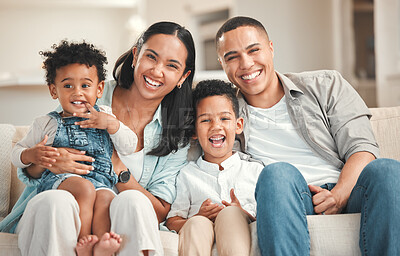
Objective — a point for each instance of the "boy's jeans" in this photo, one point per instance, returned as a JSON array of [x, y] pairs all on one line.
[[284, 200]]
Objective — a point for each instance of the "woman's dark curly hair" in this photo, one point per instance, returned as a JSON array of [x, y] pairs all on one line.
[[67, 53]]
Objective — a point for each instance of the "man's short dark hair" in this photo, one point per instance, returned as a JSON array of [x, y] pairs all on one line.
[[238, 21], [215, 87]]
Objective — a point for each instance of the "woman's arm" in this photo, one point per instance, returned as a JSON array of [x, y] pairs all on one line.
[[175, 223], [160, 206]]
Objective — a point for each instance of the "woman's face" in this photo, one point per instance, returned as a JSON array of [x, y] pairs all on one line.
[[159, 66]]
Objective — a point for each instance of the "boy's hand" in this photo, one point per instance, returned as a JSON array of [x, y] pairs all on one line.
[[235, 202], [40, 154], [98, 120], [210, 210]]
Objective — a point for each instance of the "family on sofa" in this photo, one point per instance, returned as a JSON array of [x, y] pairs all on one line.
[[308, 135]]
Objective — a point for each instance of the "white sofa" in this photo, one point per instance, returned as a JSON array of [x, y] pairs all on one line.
[[330, 235]]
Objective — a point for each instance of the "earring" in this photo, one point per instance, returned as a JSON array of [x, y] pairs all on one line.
[[133, 66], [179, 86]]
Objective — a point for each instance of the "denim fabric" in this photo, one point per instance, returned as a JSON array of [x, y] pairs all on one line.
[[284, 200], [95, 142], [377, 196]]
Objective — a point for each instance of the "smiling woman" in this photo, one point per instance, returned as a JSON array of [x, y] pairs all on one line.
[[151, 95]]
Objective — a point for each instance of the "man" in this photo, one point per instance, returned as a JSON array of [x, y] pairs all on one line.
[[312, 132]]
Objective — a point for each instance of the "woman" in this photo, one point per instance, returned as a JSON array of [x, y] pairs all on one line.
[[152, 96]]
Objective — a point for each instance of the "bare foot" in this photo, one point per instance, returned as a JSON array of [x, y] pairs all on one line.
[[84, 247], [109, 243]]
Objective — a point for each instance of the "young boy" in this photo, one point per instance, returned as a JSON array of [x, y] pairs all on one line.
[[75, 75], [219, 187]]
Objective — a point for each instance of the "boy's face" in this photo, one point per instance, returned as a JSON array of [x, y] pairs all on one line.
[[216, 127], [75, 85]]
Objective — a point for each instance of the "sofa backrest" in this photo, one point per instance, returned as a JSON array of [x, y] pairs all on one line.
[[385, 123]]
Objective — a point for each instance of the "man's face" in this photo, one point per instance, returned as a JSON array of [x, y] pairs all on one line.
[[246, 55]]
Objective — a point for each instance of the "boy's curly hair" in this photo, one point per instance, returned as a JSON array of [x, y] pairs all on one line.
[[215, 87], [66, 53]]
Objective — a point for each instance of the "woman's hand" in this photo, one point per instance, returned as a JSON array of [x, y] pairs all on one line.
[[209, 209], [324, 201], [235, 202], [66, 162], [98, 120]]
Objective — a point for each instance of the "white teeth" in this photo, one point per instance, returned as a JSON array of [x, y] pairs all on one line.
[[152, 82], [251, 76], [220, 137], [77, 102]]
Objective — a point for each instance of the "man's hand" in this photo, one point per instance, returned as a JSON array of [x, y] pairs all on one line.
[[235, 202], [324, 201], [210, 210], [98, 120], [66, 162], [40, 154]]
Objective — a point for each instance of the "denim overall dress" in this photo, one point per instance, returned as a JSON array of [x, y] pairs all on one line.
[[95, 142]]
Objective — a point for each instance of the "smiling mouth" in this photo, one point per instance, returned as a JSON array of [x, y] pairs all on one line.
[[217, 140], [251, 76], [77, 102], [150, 82]]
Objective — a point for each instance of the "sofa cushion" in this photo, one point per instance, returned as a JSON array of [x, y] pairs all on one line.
[[326, 233], [6, 133], [9, 245]]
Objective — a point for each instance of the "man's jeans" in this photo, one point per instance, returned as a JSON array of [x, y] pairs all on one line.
[[284, 200]]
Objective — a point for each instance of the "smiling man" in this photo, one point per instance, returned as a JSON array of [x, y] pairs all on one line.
[[312, 132]]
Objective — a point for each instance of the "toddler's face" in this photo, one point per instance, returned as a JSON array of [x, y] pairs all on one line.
[[75, 85], [216, 128]]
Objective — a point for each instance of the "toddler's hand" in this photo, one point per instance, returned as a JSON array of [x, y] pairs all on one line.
[[98, 120], [210, 210], [40, 154]]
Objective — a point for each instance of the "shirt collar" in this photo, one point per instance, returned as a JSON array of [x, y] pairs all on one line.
[[157, 115], [288, 85], [213, 169]]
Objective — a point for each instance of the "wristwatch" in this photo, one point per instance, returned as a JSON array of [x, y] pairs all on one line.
[[124, 176]]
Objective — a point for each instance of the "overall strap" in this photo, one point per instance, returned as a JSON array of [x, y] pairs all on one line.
[[55, 115]]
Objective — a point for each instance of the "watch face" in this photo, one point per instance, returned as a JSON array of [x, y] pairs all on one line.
[[124, 176]]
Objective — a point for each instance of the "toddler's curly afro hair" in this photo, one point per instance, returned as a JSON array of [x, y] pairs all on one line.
[[67, 53]]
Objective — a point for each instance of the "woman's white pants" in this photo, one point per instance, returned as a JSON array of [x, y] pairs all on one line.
[[50, 224]]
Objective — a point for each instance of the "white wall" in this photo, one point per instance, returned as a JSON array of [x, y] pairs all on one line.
[[302, 33], [387, 49], [27, 29]]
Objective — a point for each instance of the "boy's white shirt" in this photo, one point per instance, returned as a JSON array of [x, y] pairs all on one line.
[[124, 140], [200, 180]]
